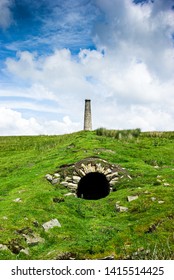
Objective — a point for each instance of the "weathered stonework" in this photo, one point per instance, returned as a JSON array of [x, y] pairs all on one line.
[[87, 115], [70, 175]]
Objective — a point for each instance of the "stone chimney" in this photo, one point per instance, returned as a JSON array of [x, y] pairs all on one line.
[[87, 115]]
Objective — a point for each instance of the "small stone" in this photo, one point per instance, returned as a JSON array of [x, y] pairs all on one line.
[[141, 249], [51, 224], [76, 179], [121, 208], [17, 200], [49, 177], [81, 172], [55, 181], [56, 175], [33, 239], [25, 251], [153, 198], [113, 182], [112, 175], [5, 218], [108, 171], [166, 184], [132, 197], [3, 247], [72, 186], [68, 179], [160, 201], [70, 194]]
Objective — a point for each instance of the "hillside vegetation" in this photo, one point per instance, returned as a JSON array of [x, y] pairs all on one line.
[[90, 229]]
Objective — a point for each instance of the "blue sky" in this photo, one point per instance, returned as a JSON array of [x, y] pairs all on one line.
[[56, 53]]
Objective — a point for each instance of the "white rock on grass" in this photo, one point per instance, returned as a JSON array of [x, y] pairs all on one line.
[[121, 208], [5, 218], [25, 251], [70, 194], [166, 184], [33, 239], [132, 197], [17, 200], [3, 247], [51, 224], [160, 201], [49, 177]]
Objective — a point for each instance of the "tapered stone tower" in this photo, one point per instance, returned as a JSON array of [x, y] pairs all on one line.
[[87, 115]]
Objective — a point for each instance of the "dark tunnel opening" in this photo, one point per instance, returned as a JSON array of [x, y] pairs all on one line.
[[93, 185]]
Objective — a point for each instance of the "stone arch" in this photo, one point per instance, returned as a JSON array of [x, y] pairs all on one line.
[[70, 175], [93, 186]]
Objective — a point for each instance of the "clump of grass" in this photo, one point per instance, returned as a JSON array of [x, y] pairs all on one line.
[[119, 134]]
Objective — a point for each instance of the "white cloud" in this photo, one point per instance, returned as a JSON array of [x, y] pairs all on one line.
[[131, 83], [13, 123], [6, 16], [141, 32]]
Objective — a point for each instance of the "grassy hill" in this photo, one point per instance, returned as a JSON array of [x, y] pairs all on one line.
[[90, 229]]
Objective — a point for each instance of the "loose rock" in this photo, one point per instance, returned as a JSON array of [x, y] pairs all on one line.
[[33, 239], [25, 251], [56, 175], [55, 181], [121, 208], [3, 247], [51, 224], [70, 194], [17, 200], [160, 201], [132, 197], [49, 177]]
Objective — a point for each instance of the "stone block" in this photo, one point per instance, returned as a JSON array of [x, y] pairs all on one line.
[[55, 181], [132, 197], [51, 224], [76, 179], [121, 208], [56, 175], [49, 177]]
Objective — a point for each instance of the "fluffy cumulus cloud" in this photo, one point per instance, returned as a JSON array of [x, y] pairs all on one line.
[[6, 15], [13, 123], [129, 76]]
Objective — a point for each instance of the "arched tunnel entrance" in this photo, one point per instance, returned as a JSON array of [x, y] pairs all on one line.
[[93, 185]]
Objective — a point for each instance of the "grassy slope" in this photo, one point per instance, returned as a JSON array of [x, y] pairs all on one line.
[[90, 229]]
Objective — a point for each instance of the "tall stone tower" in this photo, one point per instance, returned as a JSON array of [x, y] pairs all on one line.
[[87, 115]]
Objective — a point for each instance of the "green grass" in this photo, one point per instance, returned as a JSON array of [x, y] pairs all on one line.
[[90, 229]]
